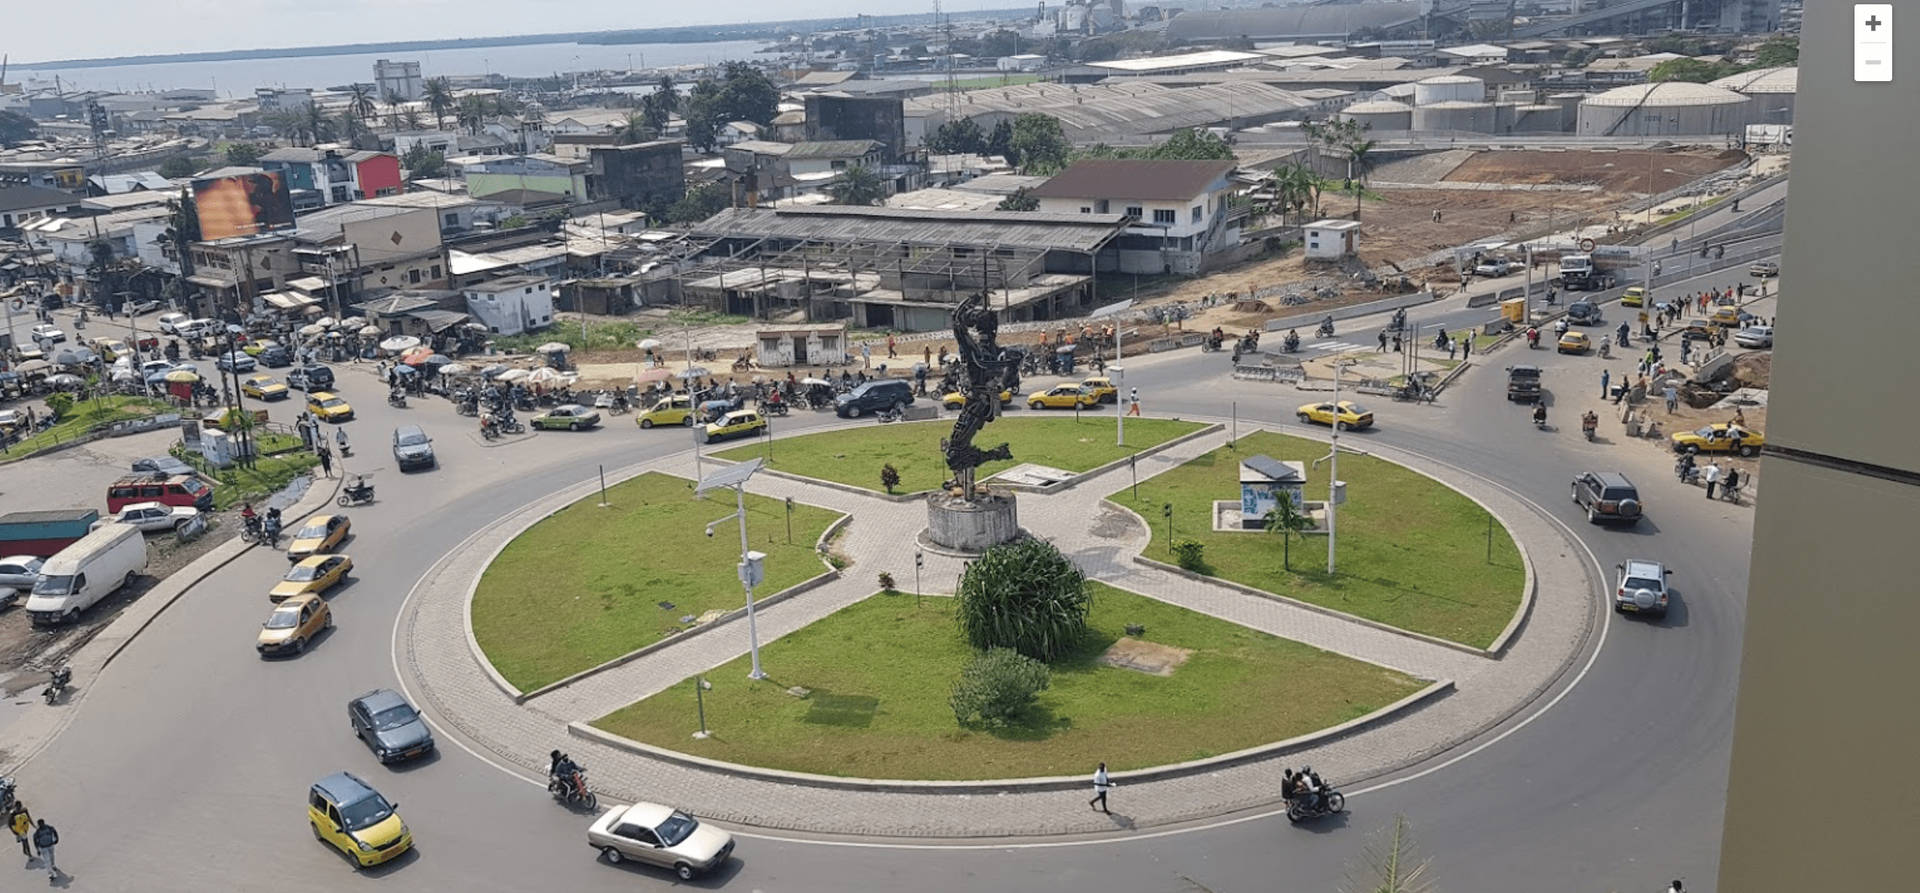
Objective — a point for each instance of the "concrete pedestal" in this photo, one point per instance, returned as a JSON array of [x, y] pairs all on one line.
[[972, 526]]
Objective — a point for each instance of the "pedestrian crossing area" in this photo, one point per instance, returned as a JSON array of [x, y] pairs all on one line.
[[1332, 346]]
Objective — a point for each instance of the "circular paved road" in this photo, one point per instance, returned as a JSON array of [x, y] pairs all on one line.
[[186, 765]]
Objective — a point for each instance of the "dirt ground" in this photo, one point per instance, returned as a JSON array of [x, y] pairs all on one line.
[[1400, 227], [1614, 172]]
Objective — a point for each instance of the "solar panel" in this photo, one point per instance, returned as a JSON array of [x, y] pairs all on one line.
[[732, 475]]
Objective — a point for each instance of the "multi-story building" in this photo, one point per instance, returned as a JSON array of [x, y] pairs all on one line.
[[363, 250], [638, 175], [22, 204], [1177, 211], [550, 174], [317, 178], [512, 305], [400, 79]]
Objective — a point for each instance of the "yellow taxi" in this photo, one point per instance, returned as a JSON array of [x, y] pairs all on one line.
[[293, 625], [321, 533], [1063, 396], [256, 348], [1725, 316], [1352, 415], [1724, 437], [673, 410], [1634, 297], [1574, 342], [738, 423], [327, 406], [263, 387], [314, 574], [1102, 388], [958, 399], [109, 349], [350, 816]]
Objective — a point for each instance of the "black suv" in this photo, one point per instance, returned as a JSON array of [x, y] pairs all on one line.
[[1584, 313], [874, 396], [1523, 383], [275, 357], [310, 378], [1607, 496]]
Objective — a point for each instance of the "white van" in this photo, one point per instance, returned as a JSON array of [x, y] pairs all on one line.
[[169, 322], [79, 576]]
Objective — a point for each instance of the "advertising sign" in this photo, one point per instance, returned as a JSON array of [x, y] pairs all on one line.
[[243, 205]]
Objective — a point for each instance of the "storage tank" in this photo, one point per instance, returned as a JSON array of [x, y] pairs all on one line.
[[1449, 88], [1466, 117], [1537, 118], [1403, 92], [1668, 108], [1382, 114], [1569, 104], [1770, 89]]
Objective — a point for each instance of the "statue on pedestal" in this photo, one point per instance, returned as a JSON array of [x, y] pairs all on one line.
[[987, 369]]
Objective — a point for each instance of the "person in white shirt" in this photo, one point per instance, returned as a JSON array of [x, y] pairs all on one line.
[[1712, 476], [1101, 784]]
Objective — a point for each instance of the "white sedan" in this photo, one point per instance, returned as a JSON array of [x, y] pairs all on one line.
[[156, 516], [20, 571], [1754, 336], [49, 333]]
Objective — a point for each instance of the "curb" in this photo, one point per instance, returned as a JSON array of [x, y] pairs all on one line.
[[1013, 785], [121, 633]]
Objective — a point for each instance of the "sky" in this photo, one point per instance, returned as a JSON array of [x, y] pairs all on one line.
[[46, 30]]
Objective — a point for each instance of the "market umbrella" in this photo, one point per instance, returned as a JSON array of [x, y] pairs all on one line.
[[399, 343], [554, 347], [65, 380], [815, 382], [694, 372], [436, 360], [74, 357], [454, 369], [32, 366], [1064, 348], [649, 344], [326, 322], [404, 370], [416, 356], [545, 375], [646, 376], [161, 377], [183, 376], [312, 330], [511, 375], [494, 371], [353, 322], [370, 330]]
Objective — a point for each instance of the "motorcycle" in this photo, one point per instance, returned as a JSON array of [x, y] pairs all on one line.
[[397, 397], [58, 684], [1540, 418], [770, 408], [1589, 425], [1606, 347], [1326, 328], [7, 789], [889, 415], [489, 429], [1330, 802], [1292, 344], [572, 789], [251, 532], [1533, 339], [1686, 471], [356, 493]]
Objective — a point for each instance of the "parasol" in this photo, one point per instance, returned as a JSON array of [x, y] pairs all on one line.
[[553, 347], [399, 343], [182, 376], [649, 344]]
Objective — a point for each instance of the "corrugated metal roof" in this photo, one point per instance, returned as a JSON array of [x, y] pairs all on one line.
[[1022, 229], [1135, 178]]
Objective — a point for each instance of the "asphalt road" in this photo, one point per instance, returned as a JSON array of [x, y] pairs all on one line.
[[186, 766]]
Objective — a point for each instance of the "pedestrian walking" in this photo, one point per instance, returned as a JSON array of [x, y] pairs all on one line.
[[1383, 341], [926, 355], [866, 353], [326, 459], [22, 824], [1466, 344], [1686, 347], [1673, 397], [1605, 377], [1101, 785], [1396, 344], [44, 838], [1712, 476], [891, 354], [1133, 401], [1452, 347]]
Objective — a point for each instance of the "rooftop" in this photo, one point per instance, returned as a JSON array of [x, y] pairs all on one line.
[[941, 229], [1135, 179], [14, 198], [831, 149], [1182, 60], [1665, 94]]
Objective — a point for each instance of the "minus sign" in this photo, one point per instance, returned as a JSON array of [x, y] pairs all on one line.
[[1873, 61]]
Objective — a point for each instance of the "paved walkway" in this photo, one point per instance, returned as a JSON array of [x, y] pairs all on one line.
[[442, 665]]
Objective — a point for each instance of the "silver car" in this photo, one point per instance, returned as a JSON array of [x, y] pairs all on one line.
[[1754, 336], [20, 571], [659, 835], [156, 516], [1642, 589]]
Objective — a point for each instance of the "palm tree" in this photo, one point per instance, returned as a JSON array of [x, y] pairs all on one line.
[[1286, 520], [410, 118], [394, 105], [507, 104], [472, 113], [1357, 164], [351, 127], [635, 130], [439, 96], [668, 92], [318, 126], [360, 102], [858, 185], [288, 123]]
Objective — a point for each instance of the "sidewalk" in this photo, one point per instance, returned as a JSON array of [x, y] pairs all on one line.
[[441, 662]]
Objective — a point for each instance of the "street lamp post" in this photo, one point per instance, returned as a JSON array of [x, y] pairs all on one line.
[[752, 567], [700, 685]]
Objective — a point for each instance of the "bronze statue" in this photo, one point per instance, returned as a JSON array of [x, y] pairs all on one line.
[[987, 370]]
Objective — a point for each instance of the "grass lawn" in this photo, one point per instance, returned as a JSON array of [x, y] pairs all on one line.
[[83, 417], [880, 672], [1413, 553], [586, 585], [1047, 437]]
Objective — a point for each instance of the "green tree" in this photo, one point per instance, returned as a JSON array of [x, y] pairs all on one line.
[[858, 185], [16, 128], [667, 93], [700, 202], [1285, 519], [1000, 142], [1697, 71], [1778, 51], [1040, 142], [997, 686], [315, 123], [360, 102], [635, 129], [961, 136], [178, 167], [410, 118], [1295, 189], [1389, 863], [439, 96], [395, 104], [1021, 200], [423, 163], [1188, 144], [244, 153], [656, 110], [889, 477], [1359, 164], [1026, 596], [472, 113], [58, 403], [743, 93]]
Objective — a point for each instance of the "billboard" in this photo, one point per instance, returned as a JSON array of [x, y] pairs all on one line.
[[242, 205]]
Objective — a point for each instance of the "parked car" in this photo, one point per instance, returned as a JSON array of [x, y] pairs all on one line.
[[166, 465], [49, 333], [20, 571], [11, 419], [170, 322], [350, 816], [178, 489], [874, 396], [1764, 269], [310, 378], [1607, 496], [153, 517], [389, 726], [293, 625], [1642, 588], [1754, 336], [568, 416], [137, 308], [412, 448], [234, 361], [659, 835]]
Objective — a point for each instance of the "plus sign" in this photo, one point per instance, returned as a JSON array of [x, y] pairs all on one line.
[[1874, 23]]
